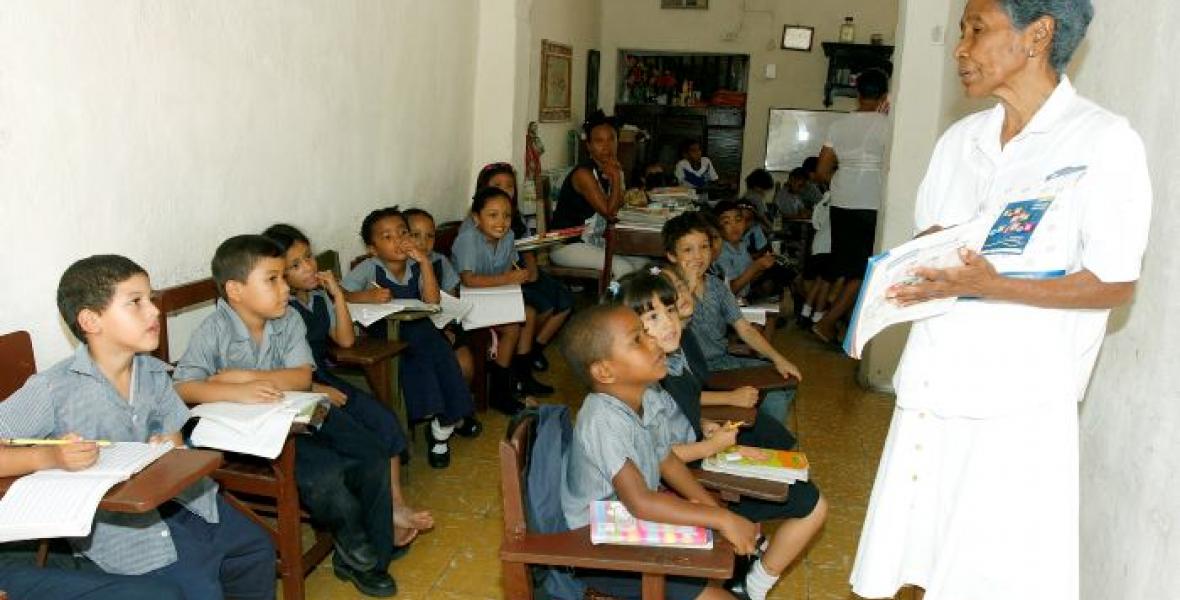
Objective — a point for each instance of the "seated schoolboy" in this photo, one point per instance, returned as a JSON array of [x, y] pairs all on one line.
[[760, 192], [737, 265], [694, 170], [423, 232], [657, 303], [798, 196], [432, 381], [548, 301], [251, 349], [319, 300], [687, 244], [622, 445], [29, 581], [111, 389]]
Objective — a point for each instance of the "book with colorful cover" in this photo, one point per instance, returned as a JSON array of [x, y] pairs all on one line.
[[612, 523], [760, 463]]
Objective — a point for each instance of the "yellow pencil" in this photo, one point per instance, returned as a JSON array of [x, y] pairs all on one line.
[[734, 424], [38, 442]]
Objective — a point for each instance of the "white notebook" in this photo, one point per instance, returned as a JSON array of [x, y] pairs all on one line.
[[493, 306], [58, 503], [257, 429]]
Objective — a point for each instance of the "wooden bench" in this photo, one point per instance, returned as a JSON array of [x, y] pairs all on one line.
[[521, 548]]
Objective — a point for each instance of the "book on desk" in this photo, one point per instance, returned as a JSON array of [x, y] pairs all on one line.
[[760, 463], [256, 429], [58, 503], [612, 523]]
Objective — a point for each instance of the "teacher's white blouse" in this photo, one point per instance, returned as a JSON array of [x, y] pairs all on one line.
[[1070, 192]]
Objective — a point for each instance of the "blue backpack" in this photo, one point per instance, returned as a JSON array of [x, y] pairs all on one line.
[[545, 472]]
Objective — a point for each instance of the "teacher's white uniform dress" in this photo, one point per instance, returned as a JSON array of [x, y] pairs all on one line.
[[976, 496]]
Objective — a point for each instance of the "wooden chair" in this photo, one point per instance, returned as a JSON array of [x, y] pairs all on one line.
[[600, 276], [250, 484], [521, 548], [17, 365]]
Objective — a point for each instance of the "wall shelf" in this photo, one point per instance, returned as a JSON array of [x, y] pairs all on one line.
[[847, 61]]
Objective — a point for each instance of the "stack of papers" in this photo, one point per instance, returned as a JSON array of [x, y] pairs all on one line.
[[257, 429], [367, 314], [759, 463], [611, 523], [756, 313], [549, 238], [492, 306], [453, 310], [57, 503]]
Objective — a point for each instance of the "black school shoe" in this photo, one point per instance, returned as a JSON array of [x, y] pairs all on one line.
[[437, 460], [373, 582], [502, 391], [526, 384], [470, 427]]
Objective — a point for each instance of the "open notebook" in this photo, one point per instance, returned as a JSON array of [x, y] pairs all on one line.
[[257, 429], [493, 305], [56, 503]]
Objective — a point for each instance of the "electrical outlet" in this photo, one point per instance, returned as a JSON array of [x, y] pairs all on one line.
[[729, 36]]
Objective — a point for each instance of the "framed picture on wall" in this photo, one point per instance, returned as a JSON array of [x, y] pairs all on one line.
[[684, 4], [798, 37], [556, 69]]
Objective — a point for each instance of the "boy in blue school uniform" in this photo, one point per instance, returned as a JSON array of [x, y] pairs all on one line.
[[110, 389], [252, 349], [622, 445]]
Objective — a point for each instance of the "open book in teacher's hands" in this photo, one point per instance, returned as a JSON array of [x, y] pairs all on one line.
[[58, 503], [874, 311]]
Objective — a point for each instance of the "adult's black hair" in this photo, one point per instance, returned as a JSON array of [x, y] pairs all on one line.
[[90, 284], [372, 218], [236, 257], [598, 118], [285, 236], [872, 84]]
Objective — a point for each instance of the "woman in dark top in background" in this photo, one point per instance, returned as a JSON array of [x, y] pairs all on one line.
[[593, 191]]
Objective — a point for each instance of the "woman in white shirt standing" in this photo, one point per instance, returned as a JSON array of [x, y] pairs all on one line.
[[857, 142], [976, 496]]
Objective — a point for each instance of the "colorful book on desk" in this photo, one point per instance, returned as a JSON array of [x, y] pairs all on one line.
[[367, 314], [611, 523], [492, 306], [548, 238], [256, 429], [57, 503], [759, 463]]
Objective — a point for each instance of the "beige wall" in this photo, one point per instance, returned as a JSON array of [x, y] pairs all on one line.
[[157, 130], [574, 23], [756, 28]]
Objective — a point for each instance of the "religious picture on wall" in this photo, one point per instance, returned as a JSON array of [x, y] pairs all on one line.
[[556, 66]]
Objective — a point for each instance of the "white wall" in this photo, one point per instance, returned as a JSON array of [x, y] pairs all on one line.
[[758, 26], [157, 129], [1131, 417]]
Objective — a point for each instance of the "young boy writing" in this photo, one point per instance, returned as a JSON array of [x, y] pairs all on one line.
[[621, 447], [111, 390], [252, 349]]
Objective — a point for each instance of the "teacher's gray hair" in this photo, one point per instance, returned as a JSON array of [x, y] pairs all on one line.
[[1071, 16]]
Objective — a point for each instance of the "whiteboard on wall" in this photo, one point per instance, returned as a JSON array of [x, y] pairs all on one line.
[[793, 134]]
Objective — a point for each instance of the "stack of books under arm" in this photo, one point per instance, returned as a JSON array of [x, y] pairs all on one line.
[[759, 463], [612, 523]]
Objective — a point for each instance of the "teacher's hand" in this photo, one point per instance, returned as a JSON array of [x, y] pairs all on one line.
[[974, 278]]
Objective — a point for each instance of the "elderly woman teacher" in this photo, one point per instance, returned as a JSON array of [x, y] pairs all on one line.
[[976, 496]]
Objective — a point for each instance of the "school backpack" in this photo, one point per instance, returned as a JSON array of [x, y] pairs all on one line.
[[545, 471]]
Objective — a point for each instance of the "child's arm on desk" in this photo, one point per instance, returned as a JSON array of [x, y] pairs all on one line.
[[513, 276], [745, 397], [759, 343], [716, 440], [651, 505], [71, 457], [245, 386]]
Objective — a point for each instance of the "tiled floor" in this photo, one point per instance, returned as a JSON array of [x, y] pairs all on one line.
[[840, 426]]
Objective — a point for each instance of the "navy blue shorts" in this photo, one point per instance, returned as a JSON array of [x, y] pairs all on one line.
[[547, 294]]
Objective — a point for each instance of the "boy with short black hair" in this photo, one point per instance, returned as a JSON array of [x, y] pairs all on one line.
[[111, 389], [737, 266], [252, 349], [621, 446]]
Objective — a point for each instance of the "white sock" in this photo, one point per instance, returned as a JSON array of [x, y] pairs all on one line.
[[817, 316], [806, 312], [441, 434], [759, 582]]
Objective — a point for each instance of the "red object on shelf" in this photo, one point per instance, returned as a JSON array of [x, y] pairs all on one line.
[[728, 98]]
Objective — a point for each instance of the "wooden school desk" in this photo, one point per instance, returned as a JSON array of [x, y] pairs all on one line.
[[156, 484]]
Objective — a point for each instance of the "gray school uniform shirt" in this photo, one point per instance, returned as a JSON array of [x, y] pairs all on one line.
[[472, 252], [716, 309], [607, 435], [364, 275], [74, 396], [222, 342]]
